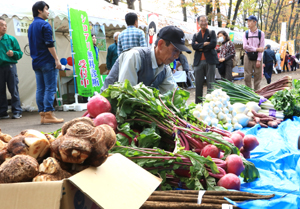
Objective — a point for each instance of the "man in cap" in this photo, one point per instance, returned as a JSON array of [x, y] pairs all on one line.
[[268, 60], [150, 65], [205, 58], [253, 44]]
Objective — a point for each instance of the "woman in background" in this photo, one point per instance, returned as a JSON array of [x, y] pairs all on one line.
[[227, 54]]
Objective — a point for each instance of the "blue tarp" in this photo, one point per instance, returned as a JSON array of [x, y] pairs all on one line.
[[277, 159]]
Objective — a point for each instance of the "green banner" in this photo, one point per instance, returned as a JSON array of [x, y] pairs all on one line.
[[86, 65]]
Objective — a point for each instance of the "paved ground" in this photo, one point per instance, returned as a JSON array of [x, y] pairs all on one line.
[[31, 120]]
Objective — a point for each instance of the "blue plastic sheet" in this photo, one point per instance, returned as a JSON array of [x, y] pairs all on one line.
[[278, 160]]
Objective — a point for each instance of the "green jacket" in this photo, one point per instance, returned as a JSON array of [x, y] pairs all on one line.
[[9, 43]]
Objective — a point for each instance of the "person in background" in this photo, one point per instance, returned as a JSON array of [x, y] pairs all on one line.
[[205, 58], [268, 61], [112, 52], [292, 62], [173, 66], [297, 55], [278, 61], [94, 39], [286, 59], [254, 46], [150, 65], [227, 54], [132, 36], [185, 67], [10, 53], [45, 62]]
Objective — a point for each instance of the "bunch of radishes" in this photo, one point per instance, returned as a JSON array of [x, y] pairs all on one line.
[[233, 165], [98, 109], [217, 111]]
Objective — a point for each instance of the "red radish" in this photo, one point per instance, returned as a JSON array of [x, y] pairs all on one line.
[[230, 181], [106, 118], [240, 133], [250, 142], [245, 153], [210, 150], [235, 164], [183, 173], [98, 104], [237, 140], [228, 139], [221, 155]]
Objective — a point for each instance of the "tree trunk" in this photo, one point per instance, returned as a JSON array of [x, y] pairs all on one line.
[[116, 2], [290, 19], [267, 18], [275, 20], [208, 12], [130, 4], [295, 20], [260, 14], [140, 6], [296, 35], [229, 13], [183, 10], [277, 33], [219, 13], [235, 13]]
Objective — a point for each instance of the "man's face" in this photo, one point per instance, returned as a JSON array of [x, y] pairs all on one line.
[[94, 40], [168, 53], [3, 27], [45, 13], [251, 23], [203, 23]]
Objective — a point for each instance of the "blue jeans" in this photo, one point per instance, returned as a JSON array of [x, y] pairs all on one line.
[[46, 83], [9, 77]]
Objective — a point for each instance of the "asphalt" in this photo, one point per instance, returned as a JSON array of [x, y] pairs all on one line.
[[31, 120]]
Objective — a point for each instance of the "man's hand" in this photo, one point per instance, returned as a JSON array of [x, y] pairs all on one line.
[[257, 65], [174, 71], [264, 65], [260, 49], [206, 43], [57, 64], [196, 42], [10, 53], [221, 59]]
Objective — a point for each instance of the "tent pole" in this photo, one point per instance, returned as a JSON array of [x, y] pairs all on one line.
[[58, 93]]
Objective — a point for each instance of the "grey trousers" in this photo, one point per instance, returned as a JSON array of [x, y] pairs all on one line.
[[201, 70]]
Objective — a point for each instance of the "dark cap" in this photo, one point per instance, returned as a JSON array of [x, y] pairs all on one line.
[[251, 17], [175, 35]]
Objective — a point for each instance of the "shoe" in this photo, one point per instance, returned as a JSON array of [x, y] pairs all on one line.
[[50, 118], [4, 116], [16, 116], [42, 114]]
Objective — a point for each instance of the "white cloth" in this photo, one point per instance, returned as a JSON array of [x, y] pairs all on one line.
[[130, 64], [179, 76]]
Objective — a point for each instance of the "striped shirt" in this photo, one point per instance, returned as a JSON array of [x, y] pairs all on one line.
[[129, 38], [252, 44]]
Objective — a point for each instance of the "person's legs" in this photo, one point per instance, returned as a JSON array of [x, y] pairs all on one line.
[[257, 76], [12, 84], [50, 79], [199, 80], [247, 71], [210, 77], [40, 89], [228, 70], [188, 79], [268, 72], [3, 98]]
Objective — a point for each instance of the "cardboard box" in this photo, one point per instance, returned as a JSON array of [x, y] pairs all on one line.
[[103, 69], [117, 183]]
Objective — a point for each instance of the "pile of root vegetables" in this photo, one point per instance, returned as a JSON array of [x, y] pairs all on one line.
[[191, 199], [160, 133], [34, 156]]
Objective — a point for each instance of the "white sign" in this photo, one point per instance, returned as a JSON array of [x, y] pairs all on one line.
[[283, 32], [152, 28], [238, 69], [21, 27]]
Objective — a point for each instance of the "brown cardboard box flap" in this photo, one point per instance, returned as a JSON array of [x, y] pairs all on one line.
[[30, 195], [117, 183]]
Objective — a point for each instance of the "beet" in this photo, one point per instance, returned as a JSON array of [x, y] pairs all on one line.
[[235, 164], [250, 142], [210, 150], [245, 153], [106, 118], [230, 181], [228, 139], [240, 133], [98, 104], [237, 140]]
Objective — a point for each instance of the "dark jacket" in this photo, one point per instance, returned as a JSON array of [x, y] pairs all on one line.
[[269, 56], [209, 50]]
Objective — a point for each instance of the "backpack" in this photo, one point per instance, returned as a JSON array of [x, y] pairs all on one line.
[[259, 35]]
